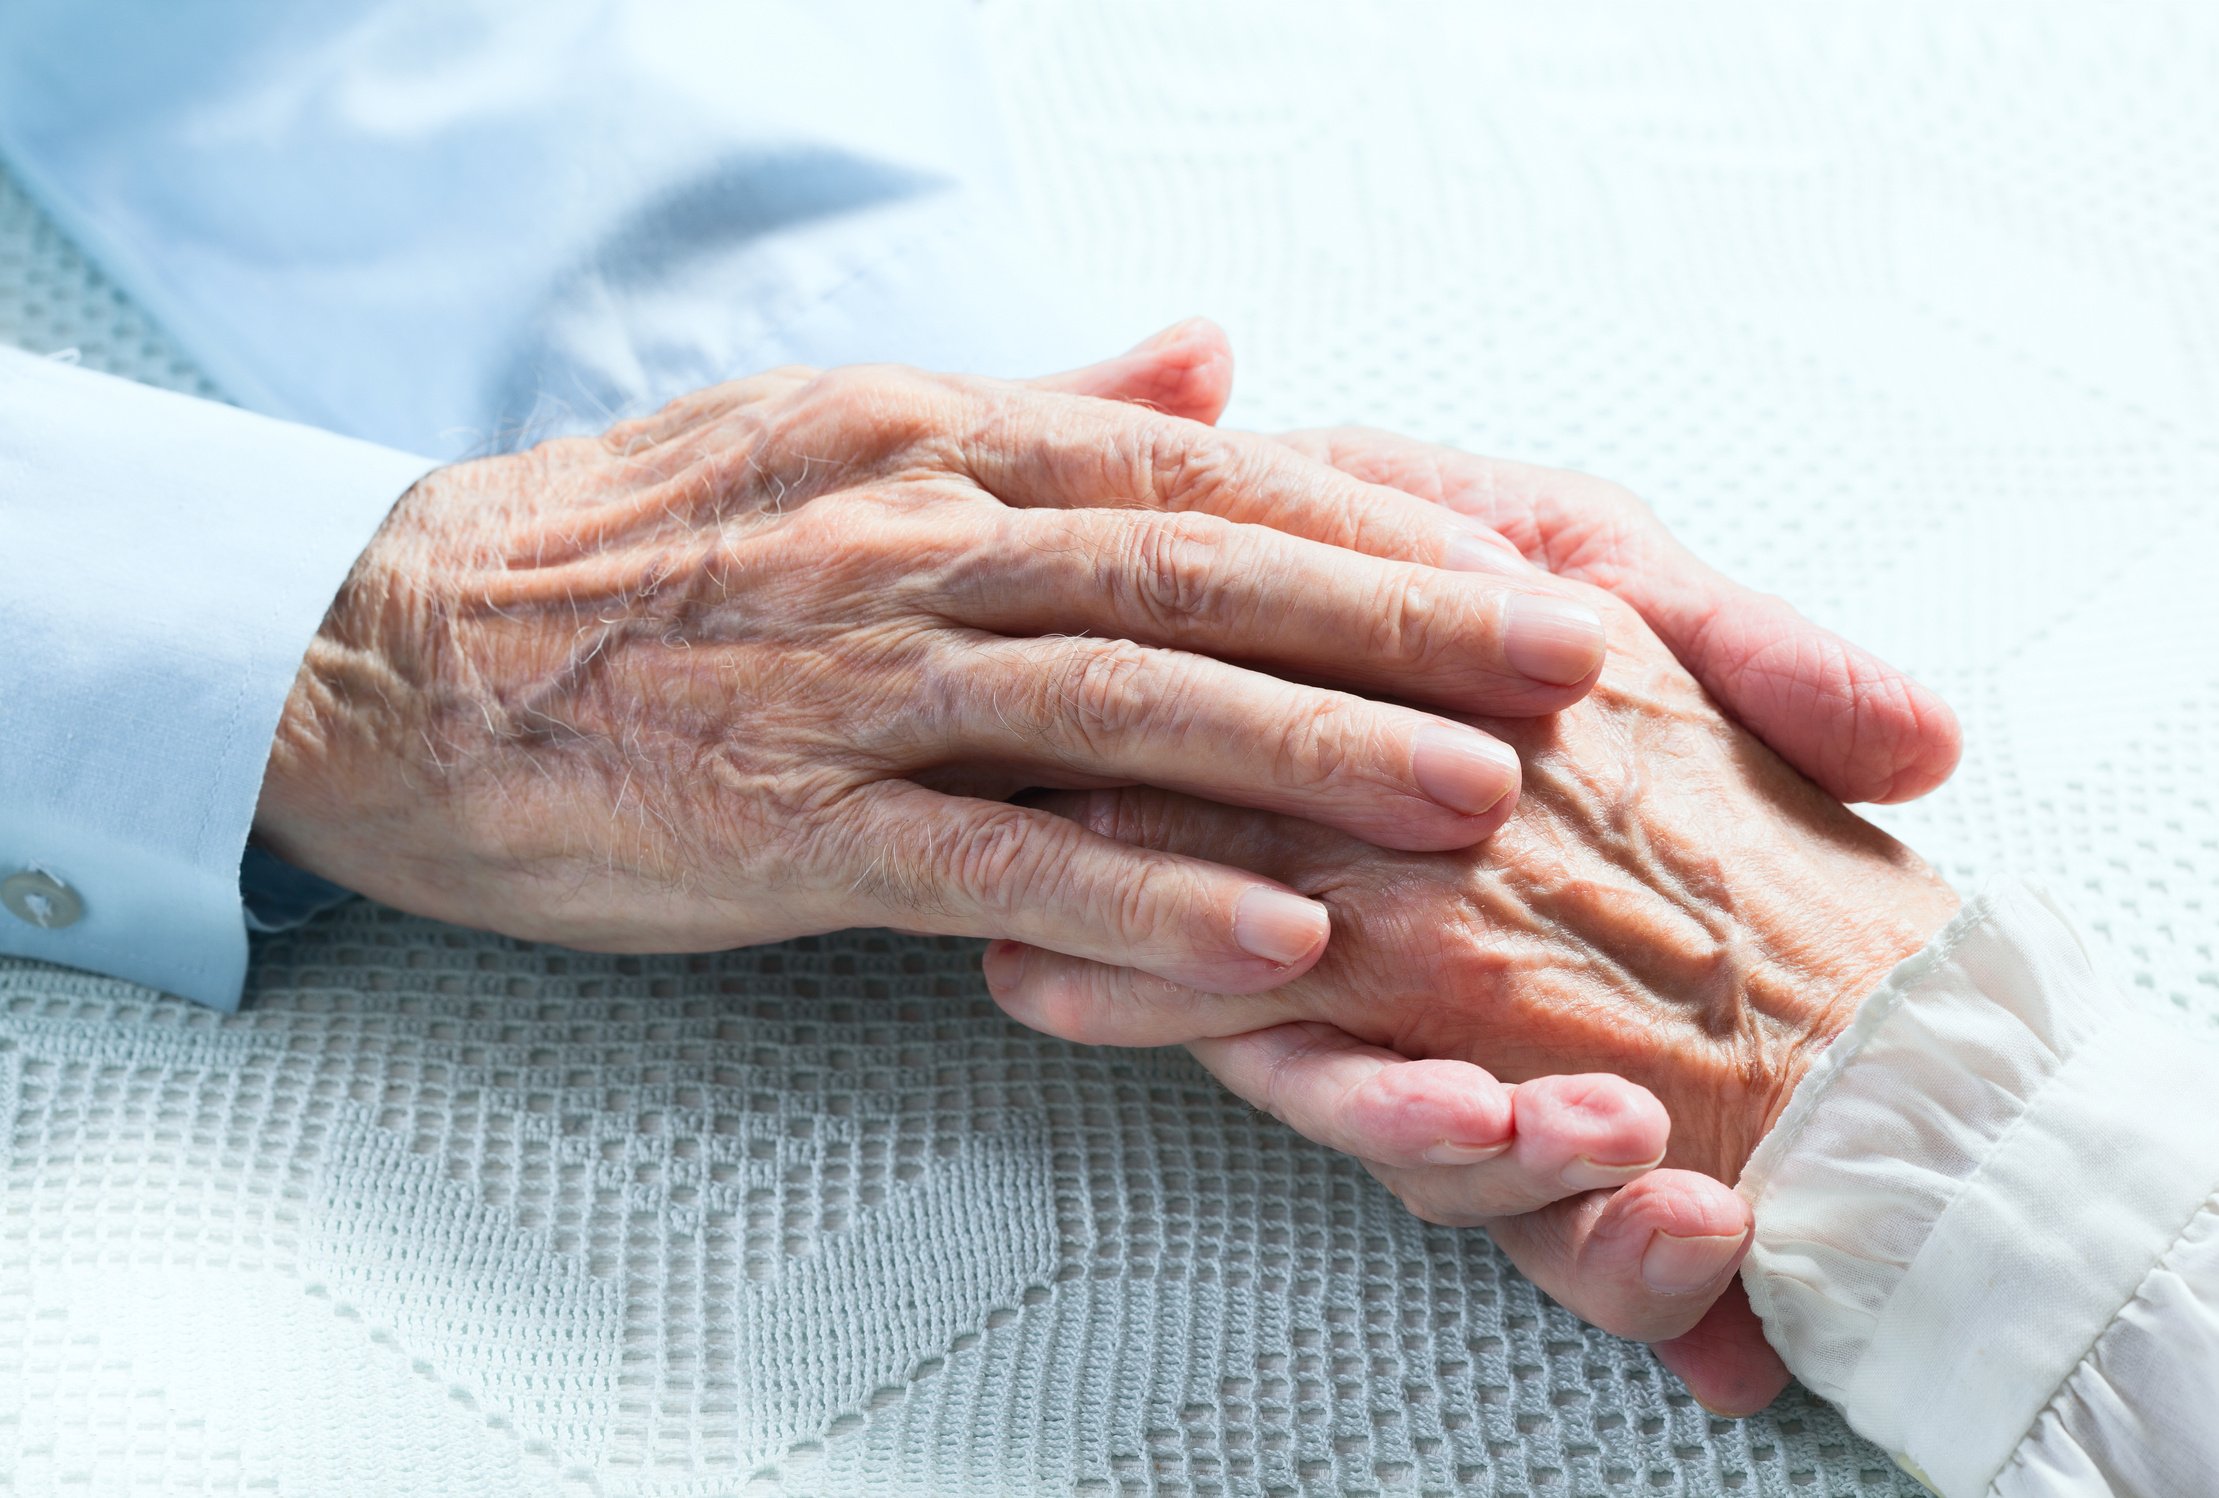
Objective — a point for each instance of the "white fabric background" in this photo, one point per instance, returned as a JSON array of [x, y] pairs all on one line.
[[1910, 313]]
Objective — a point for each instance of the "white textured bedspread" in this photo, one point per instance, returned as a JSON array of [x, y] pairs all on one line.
[[1909, 313]]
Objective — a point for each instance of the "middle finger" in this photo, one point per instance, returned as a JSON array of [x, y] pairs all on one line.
[[1471, 641]]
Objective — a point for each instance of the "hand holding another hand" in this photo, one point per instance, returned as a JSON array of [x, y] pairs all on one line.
[[772, 661], [769, 661], [1674, 916]]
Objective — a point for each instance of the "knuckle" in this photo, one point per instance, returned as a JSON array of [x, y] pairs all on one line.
[[1406, 1090], [848, 381], [1105, 814], [946, 867], [1135, 816], [1282, 1079], [1615, 499], [1362, 520], [634, 435], [1101, 691], [1188, 467], [1059, 1007], [1136, 911], [1323, 742], [685, 413], [1151, 818], [1599, 530], [1101, 1007], [1414, 624], [876, 412], [750, 390], [994, 854], [1174, 565]]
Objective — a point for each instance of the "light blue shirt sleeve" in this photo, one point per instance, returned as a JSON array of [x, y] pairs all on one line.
[[164, 562], [456, 226]]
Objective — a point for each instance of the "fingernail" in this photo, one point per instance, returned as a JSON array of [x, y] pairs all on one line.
[[1473, 547], [1169, 335], [1004, 963], [1278, 925], [1449, 1152], [1552, 639], [1672, 1265], [1470, 554], [1584, 1174], [1465, 771]]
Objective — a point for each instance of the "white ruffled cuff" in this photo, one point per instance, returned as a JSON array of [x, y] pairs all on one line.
[[1972, 1184]]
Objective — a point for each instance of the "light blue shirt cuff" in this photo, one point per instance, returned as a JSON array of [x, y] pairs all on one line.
[[164, 563]]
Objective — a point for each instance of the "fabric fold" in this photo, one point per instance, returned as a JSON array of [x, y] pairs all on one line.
[[1973, 1182]]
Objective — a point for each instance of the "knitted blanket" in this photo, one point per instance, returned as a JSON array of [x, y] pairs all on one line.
[[1909, 313]]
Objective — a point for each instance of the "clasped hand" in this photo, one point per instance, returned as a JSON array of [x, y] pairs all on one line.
[[771, 661], [779, 659]]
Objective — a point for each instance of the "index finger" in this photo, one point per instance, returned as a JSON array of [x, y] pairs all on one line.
[[1045, 449]]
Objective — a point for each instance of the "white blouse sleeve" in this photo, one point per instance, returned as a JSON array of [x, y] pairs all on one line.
[[1988, 1222]]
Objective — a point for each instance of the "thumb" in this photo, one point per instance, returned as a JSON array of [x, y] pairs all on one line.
[[1725, 1360], [1658, 1260], [1186, 370], [1860, 728]]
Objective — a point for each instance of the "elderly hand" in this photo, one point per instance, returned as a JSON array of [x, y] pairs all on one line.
[[1671, 904], [1855, 725], [1858, 727], [764, 663]]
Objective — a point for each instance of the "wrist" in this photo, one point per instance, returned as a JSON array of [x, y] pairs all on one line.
[[1872, 946], [348, 760]]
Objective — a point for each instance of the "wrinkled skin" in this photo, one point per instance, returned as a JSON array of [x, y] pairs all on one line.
[[1671, 904], [767, 662], [411, 763], [1858, 727]]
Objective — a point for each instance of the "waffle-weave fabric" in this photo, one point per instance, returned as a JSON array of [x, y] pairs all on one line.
[[1910, 313]]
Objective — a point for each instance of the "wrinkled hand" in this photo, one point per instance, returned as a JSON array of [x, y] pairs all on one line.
[[1672, 905], [1858, 727], [764, 663]]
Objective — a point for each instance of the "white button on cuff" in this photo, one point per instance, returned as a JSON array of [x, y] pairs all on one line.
[[42, 900]]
